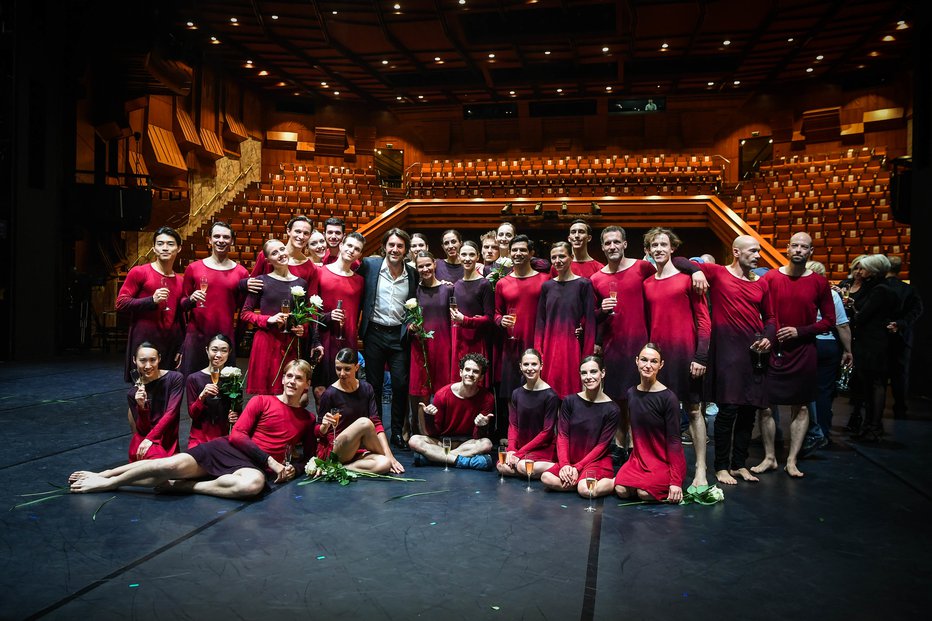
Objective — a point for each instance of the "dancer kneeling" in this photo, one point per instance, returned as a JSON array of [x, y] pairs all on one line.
[[585, 432], [350, 426], [461, 411], [154, 406], [657, 466], [233, 467], [532, 420]]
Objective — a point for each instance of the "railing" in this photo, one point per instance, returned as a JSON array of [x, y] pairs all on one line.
[[226, 189]]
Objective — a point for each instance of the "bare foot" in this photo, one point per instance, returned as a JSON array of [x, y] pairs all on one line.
[[90, 484], [81, 474], [768, 464], [745, 474], [700, 480], [723, 476], [793, 471]]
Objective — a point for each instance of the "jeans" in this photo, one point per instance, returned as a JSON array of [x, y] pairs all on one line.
[[820, 410]]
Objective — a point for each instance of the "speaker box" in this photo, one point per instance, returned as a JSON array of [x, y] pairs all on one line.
[[112, 207]]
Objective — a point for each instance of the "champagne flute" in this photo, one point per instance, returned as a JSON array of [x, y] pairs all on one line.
[[203, 287], [529, 469], [289, 452], [340, 323], [453, 305], [215, 375], [756, 349], [613, 293], [513, 313], [447, 444], [286, 309], [138, 383], [335, 415], [590, 486], [502, 453], [164, 284]]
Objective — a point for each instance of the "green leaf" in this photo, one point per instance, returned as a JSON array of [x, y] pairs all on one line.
[[403, 496], [94, 517], [35, 502]]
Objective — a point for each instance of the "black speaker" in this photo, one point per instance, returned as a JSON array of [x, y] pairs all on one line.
[[111, 207], [901, 190]]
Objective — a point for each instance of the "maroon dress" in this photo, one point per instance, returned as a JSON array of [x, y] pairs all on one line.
[[657, 461], [448, 271], [624, 333], [680, 326], [271, 348], [157, 323], [522, 295], [224, 297], [476, 301], [563, 307], [352, 405], [208, 417], [334, 287], [585, 433], [158, 424], [532, 422], [435, 306], [792, 376]]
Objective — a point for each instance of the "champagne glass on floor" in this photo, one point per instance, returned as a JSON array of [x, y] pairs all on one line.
[[590, 487], [529, 469], [203, 287], [447, 444], [501, 462]]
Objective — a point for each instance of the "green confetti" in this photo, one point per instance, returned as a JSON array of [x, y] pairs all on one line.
[[94, 517]]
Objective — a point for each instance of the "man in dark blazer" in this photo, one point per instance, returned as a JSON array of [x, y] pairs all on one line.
[[383, 329]]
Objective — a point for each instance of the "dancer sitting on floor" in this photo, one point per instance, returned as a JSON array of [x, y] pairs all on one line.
[[532, 421], [461, 412], [585, 432], [154, 406], [211, 416], [234, 467], [657, 465], [350, 425]]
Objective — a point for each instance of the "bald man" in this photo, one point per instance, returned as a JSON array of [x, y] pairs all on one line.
[[742, 333], [798, 295]]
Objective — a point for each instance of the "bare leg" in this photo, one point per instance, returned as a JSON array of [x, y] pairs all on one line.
[[768, 430], [540, 467], [798, 427], [360, 434], [603, 487], [698, 431], [472, 447], [373, 462], [724, 477], [244, 483], [554, 484], [150, 472]]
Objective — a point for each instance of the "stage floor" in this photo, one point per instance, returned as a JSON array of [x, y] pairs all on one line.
[[849, 541]]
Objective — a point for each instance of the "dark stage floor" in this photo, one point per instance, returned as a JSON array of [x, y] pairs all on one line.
[[848, 542]]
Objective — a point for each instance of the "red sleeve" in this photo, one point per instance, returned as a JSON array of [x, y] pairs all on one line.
[[704, 326], [826, 307], [174, 394], [260, 267], [674, 447], [195, 405], [127, 299], [563, 440], [601, 448], [430, 422], [251, 312], [545, 436], [241, 435]]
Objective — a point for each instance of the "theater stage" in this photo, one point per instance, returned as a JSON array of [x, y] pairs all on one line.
[[849, 541]]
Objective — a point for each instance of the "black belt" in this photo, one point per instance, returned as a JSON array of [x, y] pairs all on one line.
[[383, 328]]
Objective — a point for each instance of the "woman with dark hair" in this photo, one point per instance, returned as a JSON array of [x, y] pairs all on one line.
[[657, 466], [209, 410], [567, 303], [585, 432], [450, 268], [418, 245], [532, 421], [154, 406], [212, 294], [350, 426], [474, 312], [272, 345], [434, 299], [875, 307], [152, 294]]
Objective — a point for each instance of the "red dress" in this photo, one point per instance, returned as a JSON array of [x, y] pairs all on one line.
[[522, 295], [456, 416], [224, 297], [624, 333], [532, 423], [657, 461], [334, 287], [476, 301], [792, 376], [159, 324], [208, 417], [563, 307], [435, 306], [271, 348], [680, 326], [585, 432], [158, 424], [353, 406]]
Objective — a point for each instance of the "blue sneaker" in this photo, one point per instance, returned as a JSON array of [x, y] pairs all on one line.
[[476, 462]]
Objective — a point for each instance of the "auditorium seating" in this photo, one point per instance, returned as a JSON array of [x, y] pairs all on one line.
[[841, 199]]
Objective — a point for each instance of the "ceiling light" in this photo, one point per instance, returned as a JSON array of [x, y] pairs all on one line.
[[263, 72], [605, 49], [737, 82], [511, 92], [215, 41], [281, 84], [296, 93], [861, 66], [819, 57], [547, 53], [336, 92], [398, 98], [559, 90], [233, 20], [790, 40], [437, 58], [664, 46], [608, 88], [384, 62], [874, 53], [726, 42], [491, 55], [808, 69], [213, 38], [397, 7], [275, 17], [333, 12], [462, 2], [711, 84], [902, 25], [420, 96], [889, 38], [190, 24]]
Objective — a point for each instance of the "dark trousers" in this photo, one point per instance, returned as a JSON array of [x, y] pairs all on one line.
[[829, 352], [383, 346], [899, 374], [733, 426]]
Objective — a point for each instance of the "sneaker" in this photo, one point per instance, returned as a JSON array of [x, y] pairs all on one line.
[[686, 437], [476, 462], [811, 446]]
